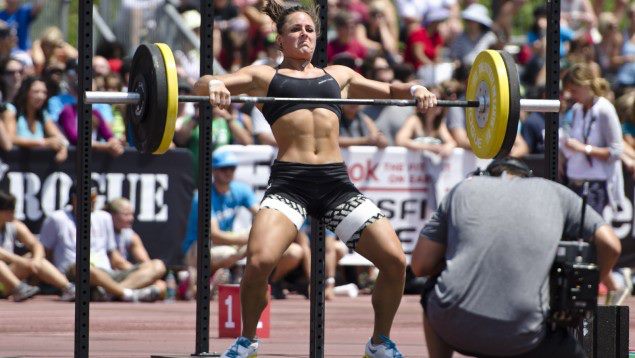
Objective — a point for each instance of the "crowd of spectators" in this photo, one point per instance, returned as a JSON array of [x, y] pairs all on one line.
[[431, 42]]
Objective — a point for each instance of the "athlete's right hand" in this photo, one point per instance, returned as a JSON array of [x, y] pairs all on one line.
[[219, 94]]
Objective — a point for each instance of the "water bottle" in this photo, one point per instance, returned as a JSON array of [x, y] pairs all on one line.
[[170, 282], [183, 290]]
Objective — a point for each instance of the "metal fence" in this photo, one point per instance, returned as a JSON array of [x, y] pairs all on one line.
[[131, 22]]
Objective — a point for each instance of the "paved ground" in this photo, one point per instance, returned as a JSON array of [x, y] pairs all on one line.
[[43, 327]]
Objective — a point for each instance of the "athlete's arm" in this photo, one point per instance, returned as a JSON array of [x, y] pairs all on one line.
[[357, 86], [246, 80]]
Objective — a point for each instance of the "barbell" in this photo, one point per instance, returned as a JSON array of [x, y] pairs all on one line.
[[492, 104]]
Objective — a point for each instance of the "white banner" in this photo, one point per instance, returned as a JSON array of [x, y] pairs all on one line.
[[405, 185]]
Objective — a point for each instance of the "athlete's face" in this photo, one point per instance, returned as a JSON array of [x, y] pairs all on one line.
[[298, 36]]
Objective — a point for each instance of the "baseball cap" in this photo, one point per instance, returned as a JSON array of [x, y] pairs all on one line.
[[93, 188], [224, 159]]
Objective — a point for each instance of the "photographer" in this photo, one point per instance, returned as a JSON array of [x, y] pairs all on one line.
[[489, 264]]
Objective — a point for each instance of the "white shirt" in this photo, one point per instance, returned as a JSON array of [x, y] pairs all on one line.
[[58, 235], [599, 127]]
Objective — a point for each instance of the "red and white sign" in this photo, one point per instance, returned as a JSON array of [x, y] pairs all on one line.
[[229, 317]]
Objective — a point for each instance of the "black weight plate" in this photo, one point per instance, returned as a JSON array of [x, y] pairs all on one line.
[[514, 105], [148, 78]]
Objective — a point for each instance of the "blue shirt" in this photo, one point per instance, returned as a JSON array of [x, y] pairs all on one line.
[[23, 130], [224, 209], [20, 20]]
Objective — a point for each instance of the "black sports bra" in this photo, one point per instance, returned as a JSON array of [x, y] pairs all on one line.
[[286, 86]]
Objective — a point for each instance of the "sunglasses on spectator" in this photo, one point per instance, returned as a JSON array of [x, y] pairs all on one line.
[[12, 72]]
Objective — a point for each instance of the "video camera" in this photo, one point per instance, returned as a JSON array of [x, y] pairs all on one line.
[[574, 279]]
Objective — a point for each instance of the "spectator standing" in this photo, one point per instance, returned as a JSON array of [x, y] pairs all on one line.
[[20, 17], [593, 145]]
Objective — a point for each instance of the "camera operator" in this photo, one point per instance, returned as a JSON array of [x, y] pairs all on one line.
[[488, 251]]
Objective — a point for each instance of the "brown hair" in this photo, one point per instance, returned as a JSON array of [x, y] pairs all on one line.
[[581, 74], [279, 13]]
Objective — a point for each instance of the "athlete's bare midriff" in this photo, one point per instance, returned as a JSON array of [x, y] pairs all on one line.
[[308, 136]]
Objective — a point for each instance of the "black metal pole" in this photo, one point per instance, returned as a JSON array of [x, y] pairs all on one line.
[[553, 88], [317, 226], [204, 190], [82, 181]]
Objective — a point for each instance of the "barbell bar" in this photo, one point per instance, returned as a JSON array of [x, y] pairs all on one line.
[[492, 106], [531, 105]]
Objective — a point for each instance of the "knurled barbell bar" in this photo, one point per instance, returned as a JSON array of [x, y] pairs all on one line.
[[493, 102]]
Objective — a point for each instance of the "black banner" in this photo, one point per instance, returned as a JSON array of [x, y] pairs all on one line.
[[159, 187]]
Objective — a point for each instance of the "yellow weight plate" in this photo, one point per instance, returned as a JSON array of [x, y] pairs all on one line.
[[173, 98], [486, 127]]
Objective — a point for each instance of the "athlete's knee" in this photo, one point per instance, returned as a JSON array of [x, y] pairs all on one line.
[[261, 264], [393, 264]]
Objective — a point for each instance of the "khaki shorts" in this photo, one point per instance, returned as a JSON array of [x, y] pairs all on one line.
[[225, 255], [116, 275]]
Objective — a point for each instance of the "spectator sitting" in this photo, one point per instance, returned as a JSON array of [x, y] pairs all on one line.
[[67, 91], [33, 128], [228, 246], [388, 119], [346, 40], [7, 110], [103, 138], [12, 75], [113, 83], [128, 242], [626, 71], [533, 127], [8, 41], [377, 33], [356, 128], [20, 17], [52, 47], [15, 269], [427, 131], [476, 37], [230, 126], [58, 235], [424, 43]]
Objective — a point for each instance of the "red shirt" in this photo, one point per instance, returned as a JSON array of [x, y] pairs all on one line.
[[431, 45], [334, 47]]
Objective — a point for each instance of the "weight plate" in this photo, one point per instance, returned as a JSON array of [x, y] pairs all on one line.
[[173, 98], [486, 126], [514, 104], [148, 77]]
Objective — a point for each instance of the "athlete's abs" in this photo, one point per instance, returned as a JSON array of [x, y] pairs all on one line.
[[308, 136]]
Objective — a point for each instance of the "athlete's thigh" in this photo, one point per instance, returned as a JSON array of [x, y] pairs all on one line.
[[379, 242], [271, 234]]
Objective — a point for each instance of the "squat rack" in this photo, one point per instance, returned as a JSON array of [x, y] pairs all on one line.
[[83, 177]]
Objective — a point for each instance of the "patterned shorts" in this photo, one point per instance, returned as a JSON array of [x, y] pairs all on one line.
[[323, 191]]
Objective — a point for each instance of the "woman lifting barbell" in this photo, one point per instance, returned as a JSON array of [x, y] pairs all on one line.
[[309, 175]]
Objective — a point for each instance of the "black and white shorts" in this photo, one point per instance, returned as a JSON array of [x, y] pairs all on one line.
[[323, 191]]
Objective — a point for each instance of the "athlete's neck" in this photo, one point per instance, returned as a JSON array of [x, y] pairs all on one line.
[[296, 64]]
